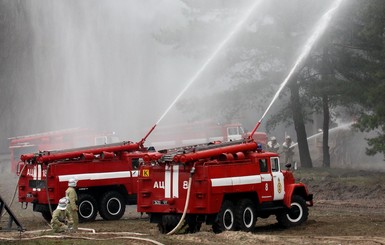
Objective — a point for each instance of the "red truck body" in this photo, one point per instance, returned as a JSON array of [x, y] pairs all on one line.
[[106, 175], [213, 178], [231, 185]]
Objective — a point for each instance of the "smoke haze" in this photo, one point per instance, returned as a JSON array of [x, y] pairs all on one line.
[[90, 64]]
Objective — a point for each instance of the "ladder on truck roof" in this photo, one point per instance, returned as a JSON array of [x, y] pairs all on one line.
[[12, 217]]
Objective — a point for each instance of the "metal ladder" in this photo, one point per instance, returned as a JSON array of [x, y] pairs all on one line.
[[12, 218]]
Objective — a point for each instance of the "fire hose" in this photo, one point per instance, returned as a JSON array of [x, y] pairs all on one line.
[[86, 237], [177, 227], [14, 193], [46, 189], [16, 188]]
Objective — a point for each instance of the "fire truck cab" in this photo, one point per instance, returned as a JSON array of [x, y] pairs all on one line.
[[226, 185]]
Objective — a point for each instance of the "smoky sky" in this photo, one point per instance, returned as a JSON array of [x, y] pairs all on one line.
[[96, 62], [91, 64]]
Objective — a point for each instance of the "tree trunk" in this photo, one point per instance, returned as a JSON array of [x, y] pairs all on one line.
[[325, 105], [325, 128], [303, 147]]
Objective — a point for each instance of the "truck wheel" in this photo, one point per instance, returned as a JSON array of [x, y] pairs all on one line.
[[225, 219], [87, 208], [193, 224], [112, 206], [296, 215], [245, 215], [168, 223]]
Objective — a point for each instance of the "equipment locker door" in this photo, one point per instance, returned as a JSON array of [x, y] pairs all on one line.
[[278, 184], [266, 179]]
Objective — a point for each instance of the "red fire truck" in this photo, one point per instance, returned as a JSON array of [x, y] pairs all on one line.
[[54, 140], [106, 175], [226, 185], [202, 132]]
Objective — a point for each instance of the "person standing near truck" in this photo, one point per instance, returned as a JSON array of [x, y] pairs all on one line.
[[72, 197], [273, 145], [288, 150]]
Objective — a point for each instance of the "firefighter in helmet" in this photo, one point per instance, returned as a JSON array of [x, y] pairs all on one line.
[[61, 217], [288, 150], [72, 202], [273, 145]]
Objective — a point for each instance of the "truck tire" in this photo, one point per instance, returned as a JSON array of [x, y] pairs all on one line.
[[168, 223], [193, 224], [296, 215], [245, 215], [112, 206], [87, 208], [225, 219]]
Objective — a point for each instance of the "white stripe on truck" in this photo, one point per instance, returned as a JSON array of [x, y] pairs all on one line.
[[98, 176], [241, 180]]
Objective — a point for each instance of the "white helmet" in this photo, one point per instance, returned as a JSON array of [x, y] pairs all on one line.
[[288, 137], [273, 138], [72, 182], [62, 203]]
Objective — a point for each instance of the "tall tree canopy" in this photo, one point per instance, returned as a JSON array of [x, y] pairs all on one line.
[[369, 87]]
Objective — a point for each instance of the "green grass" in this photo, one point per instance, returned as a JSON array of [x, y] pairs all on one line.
[[344, 176]]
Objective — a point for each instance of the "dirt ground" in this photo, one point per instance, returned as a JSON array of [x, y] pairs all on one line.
[[349, 208]]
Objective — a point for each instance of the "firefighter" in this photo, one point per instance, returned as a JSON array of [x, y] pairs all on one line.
[[273, 145], [288, 150], [72, 199], [61, 217]]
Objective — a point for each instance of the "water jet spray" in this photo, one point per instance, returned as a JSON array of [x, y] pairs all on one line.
[[320, 28], [346, 126], [206, 63]]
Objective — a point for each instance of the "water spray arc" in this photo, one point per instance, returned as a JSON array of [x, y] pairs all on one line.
[[343, 126], [319, 30], [220, 46]]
